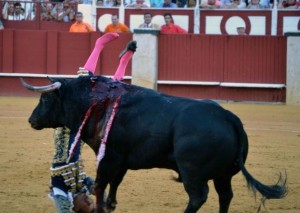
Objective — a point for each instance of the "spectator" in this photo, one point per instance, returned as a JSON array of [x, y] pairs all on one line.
[[48, 15], [108, 3], [148, 22], [116, 26], [169, 4], [180, 3], [28, 10], [157, 3], [255, 4], [22, 11], [44, 5], [235, 4], [31, 12], [225, 2], [241, 31], [1, 25], [59, 14], [99, 3], [117, 3], [69, 12], [8, 9], [170, 27], [265, 3], [18, 12], [80, 26], [288, 4], [129, 2], [139, 4], [211, 4], [85, 1], [191, 3]]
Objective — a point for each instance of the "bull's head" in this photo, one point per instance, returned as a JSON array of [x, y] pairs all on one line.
[[64, 103], [48, 112]]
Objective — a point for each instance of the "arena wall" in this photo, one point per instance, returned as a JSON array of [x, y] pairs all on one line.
[[239, 68]]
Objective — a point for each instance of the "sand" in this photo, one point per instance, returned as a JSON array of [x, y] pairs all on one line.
[[25, 157]]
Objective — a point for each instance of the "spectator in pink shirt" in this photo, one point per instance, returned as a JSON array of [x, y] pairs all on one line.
[[170, 27], [211, 4]]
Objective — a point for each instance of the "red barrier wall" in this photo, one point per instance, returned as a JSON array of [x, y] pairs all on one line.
[[49, 52], [245, 59], [254, 59], [239, 59]]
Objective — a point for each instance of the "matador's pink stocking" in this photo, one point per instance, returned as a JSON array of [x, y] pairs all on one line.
[[100, 43], [125, 56]]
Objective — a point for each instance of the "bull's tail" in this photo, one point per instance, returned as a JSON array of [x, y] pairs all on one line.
[[276, 191]]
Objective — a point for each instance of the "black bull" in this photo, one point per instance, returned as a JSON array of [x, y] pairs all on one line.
[[198, 139]]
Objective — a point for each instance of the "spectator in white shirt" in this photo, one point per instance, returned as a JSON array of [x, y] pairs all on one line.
[[17, 13]]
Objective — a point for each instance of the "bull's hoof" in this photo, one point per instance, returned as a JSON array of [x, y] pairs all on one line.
[[103, 209], [111, 205], [130, 46]]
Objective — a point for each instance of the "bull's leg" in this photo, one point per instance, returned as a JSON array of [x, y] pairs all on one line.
[[104, 175], [197, 192], [100, 195], [109, 171], [114, 184], [224, 190]]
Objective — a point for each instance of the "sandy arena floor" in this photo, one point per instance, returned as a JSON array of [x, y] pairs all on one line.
[[25, 156]]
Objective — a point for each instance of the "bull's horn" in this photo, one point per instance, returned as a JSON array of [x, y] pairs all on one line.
[[41, 89]]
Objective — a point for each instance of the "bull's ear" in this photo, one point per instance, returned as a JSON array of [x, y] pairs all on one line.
[[93, 79]]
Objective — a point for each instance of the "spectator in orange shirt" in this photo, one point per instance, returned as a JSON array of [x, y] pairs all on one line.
[[116, 26], [80, 26], [170, 27]]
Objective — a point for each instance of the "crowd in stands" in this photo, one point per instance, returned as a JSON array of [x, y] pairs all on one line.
[[64, 10], [15, 11], [55, 10], [168, 28], [205, 4]]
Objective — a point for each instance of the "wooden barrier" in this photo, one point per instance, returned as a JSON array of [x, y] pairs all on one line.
[[48, 52], [199, 66]]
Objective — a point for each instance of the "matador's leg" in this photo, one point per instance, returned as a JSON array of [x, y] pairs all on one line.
[[125, 57], [91, 63]]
